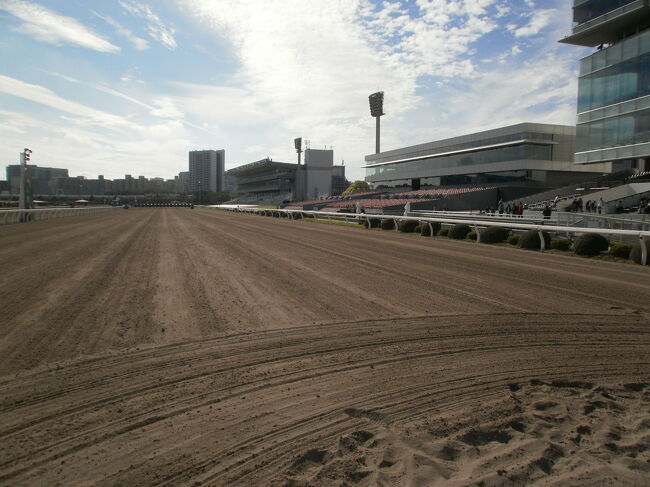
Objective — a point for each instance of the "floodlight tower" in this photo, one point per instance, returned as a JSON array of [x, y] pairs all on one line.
[[297, 143], [377, 110]]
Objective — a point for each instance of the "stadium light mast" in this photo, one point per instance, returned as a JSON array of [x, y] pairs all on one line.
[[377, 110], [297, 143]]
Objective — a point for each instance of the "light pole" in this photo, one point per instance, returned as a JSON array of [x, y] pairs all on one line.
[[297, 143], [377, 110], [24, 159]]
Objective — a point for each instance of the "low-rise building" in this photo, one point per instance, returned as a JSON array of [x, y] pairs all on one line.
[[274, 182], [529, 154]]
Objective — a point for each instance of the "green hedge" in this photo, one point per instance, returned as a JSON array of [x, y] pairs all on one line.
[[530, 240], [471, 235], [459, 231], [425, 231], [561, 243], [620, 250], [590, 244], [407, 226], [387, 224], [444, 232], [492, 235], [513, 239]]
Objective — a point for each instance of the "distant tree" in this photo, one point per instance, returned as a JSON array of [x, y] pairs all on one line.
[[356, 187]]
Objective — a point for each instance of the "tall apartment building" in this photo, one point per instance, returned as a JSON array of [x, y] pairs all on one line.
[[42, 178], [614, 82], [207, 170]]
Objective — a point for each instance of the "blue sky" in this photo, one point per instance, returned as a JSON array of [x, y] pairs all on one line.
[[129, 87]]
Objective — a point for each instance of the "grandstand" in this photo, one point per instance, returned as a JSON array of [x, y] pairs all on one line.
[[624, 186], [453, 198]]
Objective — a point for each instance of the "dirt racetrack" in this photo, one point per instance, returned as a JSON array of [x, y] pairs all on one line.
[[199, 347]]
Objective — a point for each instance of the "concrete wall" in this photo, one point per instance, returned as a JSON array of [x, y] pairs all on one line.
[[318, 168]]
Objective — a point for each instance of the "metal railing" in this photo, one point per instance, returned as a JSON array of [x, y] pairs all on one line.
[[476, 225], [21, 216]]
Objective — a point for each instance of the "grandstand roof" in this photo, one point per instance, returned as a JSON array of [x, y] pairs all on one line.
[[260, 167]]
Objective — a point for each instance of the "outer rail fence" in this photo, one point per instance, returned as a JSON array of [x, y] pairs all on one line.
[[17, 216], [476, 225]]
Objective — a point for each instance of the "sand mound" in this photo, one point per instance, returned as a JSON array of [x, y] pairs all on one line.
[[546, 433]]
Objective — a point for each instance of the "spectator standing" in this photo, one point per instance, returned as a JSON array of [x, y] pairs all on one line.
[[555, 200], [599, 206]]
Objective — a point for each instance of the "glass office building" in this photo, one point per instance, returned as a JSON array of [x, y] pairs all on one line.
[[529, 153], [614, 82]]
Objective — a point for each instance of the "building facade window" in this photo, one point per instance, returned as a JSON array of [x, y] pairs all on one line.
[[621, 82], [489, 156], [629, 129], [592, 9]]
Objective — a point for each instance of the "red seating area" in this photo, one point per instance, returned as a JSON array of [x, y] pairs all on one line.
[[369, 203], [443, 191], [382, 200]]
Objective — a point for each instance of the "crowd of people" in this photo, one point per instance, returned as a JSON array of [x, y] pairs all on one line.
[[591, 206]]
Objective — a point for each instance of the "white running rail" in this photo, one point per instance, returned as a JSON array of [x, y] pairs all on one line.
[[476, 225], [18, 216]]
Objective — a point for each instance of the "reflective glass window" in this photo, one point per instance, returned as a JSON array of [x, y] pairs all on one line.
[[633, 128], [489, 156], [620, 82], [595, 8]]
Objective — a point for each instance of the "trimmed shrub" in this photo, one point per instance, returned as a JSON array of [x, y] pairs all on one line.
[[561, 243], [374, 222], [513, 239], [387, 224], [459, 231], [425, 231], [297, 216], [590, 244], [635, 253], [418, 228], [620, 250], [471, 235], [492, 235], [530, 240], [444, 232], [407, 226]]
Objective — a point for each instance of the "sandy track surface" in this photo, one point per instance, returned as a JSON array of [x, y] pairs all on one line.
[[180, 347]]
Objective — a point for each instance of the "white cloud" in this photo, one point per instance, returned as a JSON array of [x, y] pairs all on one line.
[[166, 108], [312, 76], [138, 42], [45, 96], [156, 28], [541, 90], [48, 26], [539, 19]]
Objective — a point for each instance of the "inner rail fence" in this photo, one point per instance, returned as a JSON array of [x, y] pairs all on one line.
[[21, 216], [476, 225]]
